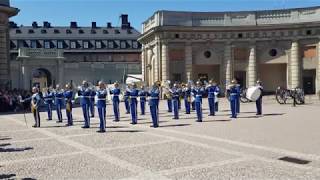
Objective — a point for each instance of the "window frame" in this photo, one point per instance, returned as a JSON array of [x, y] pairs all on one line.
[[96, 44], [71, 44]]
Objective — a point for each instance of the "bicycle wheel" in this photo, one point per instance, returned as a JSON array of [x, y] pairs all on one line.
[[280, 96]]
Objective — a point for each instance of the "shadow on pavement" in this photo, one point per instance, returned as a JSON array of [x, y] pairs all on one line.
[[125, 131], [273, 114], [13, 149], [175, 125], [221, 120], [4, 138]]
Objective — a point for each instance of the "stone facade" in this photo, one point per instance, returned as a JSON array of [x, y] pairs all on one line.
[[279, 47], [5, 13], [73, 54]]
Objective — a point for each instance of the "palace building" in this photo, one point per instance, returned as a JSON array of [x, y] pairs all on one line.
[[47, 55], [279, 47], [5, 13]]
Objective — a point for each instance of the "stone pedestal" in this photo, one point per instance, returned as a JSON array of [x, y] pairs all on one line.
[[143, 63], [252, 67]]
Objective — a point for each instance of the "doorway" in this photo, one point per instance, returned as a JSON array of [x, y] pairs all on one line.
[[309, 77], [41, 78], [241, 77]]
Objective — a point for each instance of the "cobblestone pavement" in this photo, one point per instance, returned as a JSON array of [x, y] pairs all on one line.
[[218, 148]]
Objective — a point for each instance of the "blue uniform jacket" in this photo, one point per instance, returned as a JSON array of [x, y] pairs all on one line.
[[198, 93], [84, 94], [115, 92], [48, 98], [133, 93], [154, 97], [211, 90], [59, 97], [68, 95], [101, 95], [175, 93], [238, 88], [233, 92], [143, 95], [92, 95]]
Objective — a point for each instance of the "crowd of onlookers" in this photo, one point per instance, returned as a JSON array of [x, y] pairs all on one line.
[[10, 100]]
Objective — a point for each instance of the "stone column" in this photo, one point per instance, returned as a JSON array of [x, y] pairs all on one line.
[[143, 63], [150, 67], [157, 61], [188, 61], [227, 63], [318, 70], [252, 67], [295, 65], [164, 61]]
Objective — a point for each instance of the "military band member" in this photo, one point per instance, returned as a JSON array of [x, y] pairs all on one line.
[[198, 91], [175, 93], [84, 94], [232, 92], [101, 104], [58, 94], [153, 103], [143, 98], [92, 95], [238, 87], [115, 100], [133, 92], [211, 90], [259, 100], [169, 99], [48, 100], [217, 99], [68, 96], [126, 97], [186, 90]]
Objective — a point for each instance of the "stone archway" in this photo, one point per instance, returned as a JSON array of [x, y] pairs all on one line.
[[41, 77]]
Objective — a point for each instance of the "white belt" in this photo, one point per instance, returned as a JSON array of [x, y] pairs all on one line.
[[233, 94], [48, 99], [101, 99], [85, 96], [58, 98], [154, 98], [198, 95], [133, 96]]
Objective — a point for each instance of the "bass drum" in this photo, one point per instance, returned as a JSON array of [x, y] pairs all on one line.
[[253, 93]]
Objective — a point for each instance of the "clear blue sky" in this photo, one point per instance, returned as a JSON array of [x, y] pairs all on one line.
[[61, 12]]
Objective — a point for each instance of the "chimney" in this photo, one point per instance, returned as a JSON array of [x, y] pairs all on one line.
[[46, 24], [93, 25], [124, 21], [12, 24], [34, 24], [109, 25], [73, 24]]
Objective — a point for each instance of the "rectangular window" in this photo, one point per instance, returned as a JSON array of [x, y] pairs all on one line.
[[98, 45], [33, 44], [123, 44], [110, 45], [21, 44], [73, 44], [86, 44], [47, 44], [135, 44], [60, 44]]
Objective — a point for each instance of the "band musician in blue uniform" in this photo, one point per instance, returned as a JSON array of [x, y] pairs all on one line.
[[232, 94], [175, 93], [153, 103], [101, 105], [143, 94], [126, 98], [186, 91], [259, 100], [115, 92], [211, 90], [133, 92], [92, 102], [68, 96], [48, 100], [198, 91], [238, 87], [58, 94], [84, 94], [169, 98], [35, 101]]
